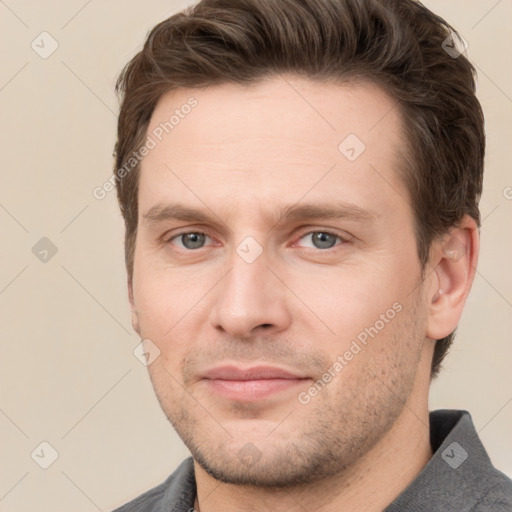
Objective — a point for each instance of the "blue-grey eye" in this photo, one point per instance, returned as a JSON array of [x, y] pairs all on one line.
[[322, 239], [192, 240]]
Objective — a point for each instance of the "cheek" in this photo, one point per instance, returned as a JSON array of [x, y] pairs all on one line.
[[386, 350], [162, 290], [160, 303], [349, 299], [172, 308]]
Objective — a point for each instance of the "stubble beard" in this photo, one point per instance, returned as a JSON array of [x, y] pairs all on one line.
[[314, 442]]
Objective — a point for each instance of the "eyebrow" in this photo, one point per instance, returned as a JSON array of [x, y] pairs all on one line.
[[161, 213]]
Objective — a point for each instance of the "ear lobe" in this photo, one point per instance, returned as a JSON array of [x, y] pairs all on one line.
[[134, 312], [455, 259]]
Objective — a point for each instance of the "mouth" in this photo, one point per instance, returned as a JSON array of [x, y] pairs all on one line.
[[251, 384]]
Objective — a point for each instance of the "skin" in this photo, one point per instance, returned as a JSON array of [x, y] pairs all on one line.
[[241, 155]]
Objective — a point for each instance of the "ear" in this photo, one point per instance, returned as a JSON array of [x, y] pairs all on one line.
[[454, 258], [135, 314]]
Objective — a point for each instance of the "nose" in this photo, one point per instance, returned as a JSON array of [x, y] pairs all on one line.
[[250, 298]]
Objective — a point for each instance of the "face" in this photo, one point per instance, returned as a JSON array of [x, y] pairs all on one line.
[[276, 272]]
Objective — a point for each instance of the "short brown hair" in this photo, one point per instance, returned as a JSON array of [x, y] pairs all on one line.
[[398, 44]]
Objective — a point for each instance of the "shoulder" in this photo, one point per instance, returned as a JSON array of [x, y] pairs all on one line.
[[466, 464], [497, 496], [460, 475]]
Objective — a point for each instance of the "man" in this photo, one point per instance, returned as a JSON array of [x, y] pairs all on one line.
[[300, 184]]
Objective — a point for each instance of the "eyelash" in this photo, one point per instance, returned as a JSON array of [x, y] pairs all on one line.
[[342, 239]]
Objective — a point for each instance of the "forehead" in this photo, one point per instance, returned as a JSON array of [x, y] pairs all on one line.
[[278, 139]]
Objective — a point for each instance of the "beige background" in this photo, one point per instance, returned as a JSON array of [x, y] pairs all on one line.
[[67, 372]]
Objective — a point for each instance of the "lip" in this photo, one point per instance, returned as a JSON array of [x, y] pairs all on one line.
[[231, 372], [252, 383]]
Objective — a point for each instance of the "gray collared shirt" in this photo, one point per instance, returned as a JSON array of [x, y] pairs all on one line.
[[458, 478]]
